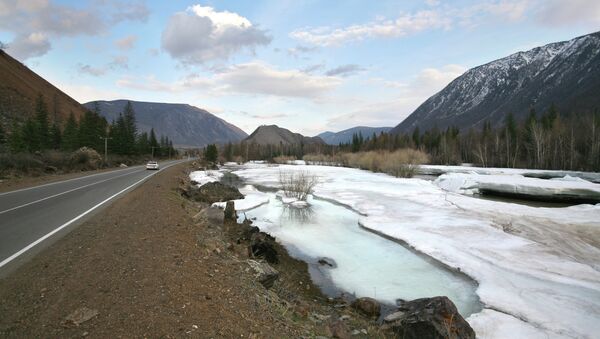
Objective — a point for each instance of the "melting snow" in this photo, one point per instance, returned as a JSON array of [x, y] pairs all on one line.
[[536, 267]]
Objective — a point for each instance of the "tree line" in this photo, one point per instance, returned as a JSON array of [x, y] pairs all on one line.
[[38, 134], [543, 141]]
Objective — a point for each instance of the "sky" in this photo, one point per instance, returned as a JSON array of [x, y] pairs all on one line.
[[309, 66]]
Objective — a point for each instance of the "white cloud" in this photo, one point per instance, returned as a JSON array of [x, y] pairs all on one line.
[[260, 78], [573, 12], [409, 95], [437, 17], [299, 50], [127, 42], [201, 34], [381, 28], [345, 70], [247, 78], [32, 45], [35, 22], [94, 71], [118, 62]]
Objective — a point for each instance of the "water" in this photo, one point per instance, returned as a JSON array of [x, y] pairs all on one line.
[[364, 264]]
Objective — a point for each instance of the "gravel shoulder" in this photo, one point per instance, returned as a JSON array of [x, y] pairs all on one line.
[[156, 265]]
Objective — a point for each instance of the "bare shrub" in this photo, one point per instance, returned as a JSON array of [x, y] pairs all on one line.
[[297, 184], [400, 163], [283, 159]]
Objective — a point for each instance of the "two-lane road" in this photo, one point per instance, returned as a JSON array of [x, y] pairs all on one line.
[[31, 216]]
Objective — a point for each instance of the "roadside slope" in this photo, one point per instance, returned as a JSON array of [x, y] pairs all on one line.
[[137, 264]]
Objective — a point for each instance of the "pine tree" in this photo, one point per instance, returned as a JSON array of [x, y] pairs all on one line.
[[129, 129], [70, 137], [16, 142], [42, 128], [55, 136], [2, 138], [211, 153], [143, 143], [153, 143], [30, 134]]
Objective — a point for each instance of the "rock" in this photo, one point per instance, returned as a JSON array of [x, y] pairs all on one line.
[[435, 317], [327, 262], [262, 245], [390, 318], [264, 273], [230, 215], [338, 330], [213, 192], [122, 165], [50, 169], [80, 315], [367, 306]]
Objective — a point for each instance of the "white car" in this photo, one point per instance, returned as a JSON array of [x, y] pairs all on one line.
[[152, 165]]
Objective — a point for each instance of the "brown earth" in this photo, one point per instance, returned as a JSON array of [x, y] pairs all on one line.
[[156, 265], [19, 89]]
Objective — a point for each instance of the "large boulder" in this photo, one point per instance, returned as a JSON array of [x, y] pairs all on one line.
[[213, 192], [435, 317], [262, 245], [264, 273], [367, 306]]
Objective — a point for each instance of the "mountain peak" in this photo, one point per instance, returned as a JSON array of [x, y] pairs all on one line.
[[275, 135], [566, 74]]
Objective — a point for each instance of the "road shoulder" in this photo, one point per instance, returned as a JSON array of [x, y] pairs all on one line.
[[146, 267]]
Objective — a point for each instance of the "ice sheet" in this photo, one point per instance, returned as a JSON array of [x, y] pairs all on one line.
[[252, 199], [204, 177], [565, 188], [442, 169], [534, 265]]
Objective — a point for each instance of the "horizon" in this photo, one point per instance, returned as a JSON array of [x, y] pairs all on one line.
[[271, 63]]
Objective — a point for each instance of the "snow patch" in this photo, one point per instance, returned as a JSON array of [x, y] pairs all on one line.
[[252, 199]]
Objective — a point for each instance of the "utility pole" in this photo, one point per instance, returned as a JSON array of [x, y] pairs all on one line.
[[153, 147], [105, 148]]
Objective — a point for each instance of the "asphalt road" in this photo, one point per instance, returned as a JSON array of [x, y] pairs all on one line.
[[33, 217]]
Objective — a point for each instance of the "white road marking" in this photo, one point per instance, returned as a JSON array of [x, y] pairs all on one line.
[[63, 181], [65, 192], [28, 247]]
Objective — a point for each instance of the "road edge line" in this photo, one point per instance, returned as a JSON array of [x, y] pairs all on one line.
[[59, 228]]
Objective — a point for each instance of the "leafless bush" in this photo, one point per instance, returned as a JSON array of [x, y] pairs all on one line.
[[297, 184], [400, 163], [282, 159]]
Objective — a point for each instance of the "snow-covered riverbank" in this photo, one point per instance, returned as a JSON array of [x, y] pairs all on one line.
[[536, 267]]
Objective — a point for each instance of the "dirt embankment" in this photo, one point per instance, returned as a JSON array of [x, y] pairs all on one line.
[[156, 265]]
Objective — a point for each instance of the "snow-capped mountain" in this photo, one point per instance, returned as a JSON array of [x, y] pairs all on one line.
[[566, 74], [345, 136]]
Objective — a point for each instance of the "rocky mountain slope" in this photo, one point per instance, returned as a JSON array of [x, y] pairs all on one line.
[[185, 125], [566, 74], [345, 136], [274, 135], [20, 88]]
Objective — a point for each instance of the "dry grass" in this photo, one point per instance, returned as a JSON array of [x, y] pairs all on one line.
[[297, 184], [400, 163], [283, 159]]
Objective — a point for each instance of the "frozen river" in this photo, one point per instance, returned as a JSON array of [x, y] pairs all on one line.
[[364, 264], [537, 268]]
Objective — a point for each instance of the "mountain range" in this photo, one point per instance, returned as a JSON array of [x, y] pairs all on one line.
[[185, 125], [566, 74], [275, 135], [345, 136]]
